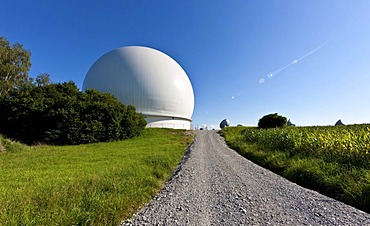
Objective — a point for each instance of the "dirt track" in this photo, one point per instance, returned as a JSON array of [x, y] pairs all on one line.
[[216, 186]]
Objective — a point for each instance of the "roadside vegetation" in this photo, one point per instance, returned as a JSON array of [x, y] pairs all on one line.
[[84, 184], [60, 114], [89, 184], [34, 110], [334, 161]]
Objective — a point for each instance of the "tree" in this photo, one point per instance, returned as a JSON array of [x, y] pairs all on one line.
[[14, 66], [61, 114], [272, 121], [42, 79]]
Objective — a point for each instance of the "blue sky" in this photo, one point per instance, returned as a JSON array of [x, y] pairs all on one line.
[[317, 51]]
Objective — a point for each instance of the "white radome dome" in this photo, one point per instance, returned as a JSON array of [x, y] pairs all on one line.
[[148, 79]]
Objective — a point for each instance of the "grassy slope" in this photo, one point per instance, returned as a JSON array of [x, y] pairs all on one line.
[[348, 184], [95, 184]]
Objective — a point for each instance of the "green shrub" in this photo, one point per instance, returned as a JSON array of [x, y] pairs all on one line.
[[61, 114], [272, 121]]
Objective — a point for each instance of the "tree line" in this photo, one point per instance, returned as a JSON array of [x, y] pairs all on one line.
[[38, 111]]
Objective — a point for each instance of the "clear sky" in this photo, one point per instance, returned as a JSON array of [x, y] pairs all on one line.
[[308, 60]]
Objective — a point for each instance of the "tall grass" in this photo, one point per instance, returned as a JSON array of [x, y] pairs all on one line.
[[95, 184], [348, 145], [332, 160]]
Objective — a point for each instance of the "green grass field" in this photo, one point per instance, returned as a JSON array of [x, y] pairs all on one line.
[[94, 184], [332, 160]]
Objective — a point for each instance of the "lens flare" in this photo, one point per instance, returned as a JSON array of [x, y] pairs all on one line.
[[274, 73]]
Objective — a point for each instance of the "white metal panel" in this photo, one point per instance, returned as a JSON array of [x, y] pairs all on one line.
[[146, 78], [167, 122]]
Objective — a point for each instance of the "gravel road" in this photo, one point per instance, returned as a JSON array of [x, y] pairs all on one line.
[[216, 186]]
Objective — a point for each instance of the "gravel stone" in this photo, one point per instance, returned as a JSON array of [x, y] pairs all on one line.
[[214, 185]]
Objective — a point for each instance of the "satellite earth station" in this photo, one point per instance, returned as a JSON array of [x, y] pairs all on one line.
[[151, 81]]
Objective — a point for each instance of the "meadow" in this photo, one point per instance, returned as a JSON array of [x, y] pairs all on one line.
[[93, 184], [334, 161]]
